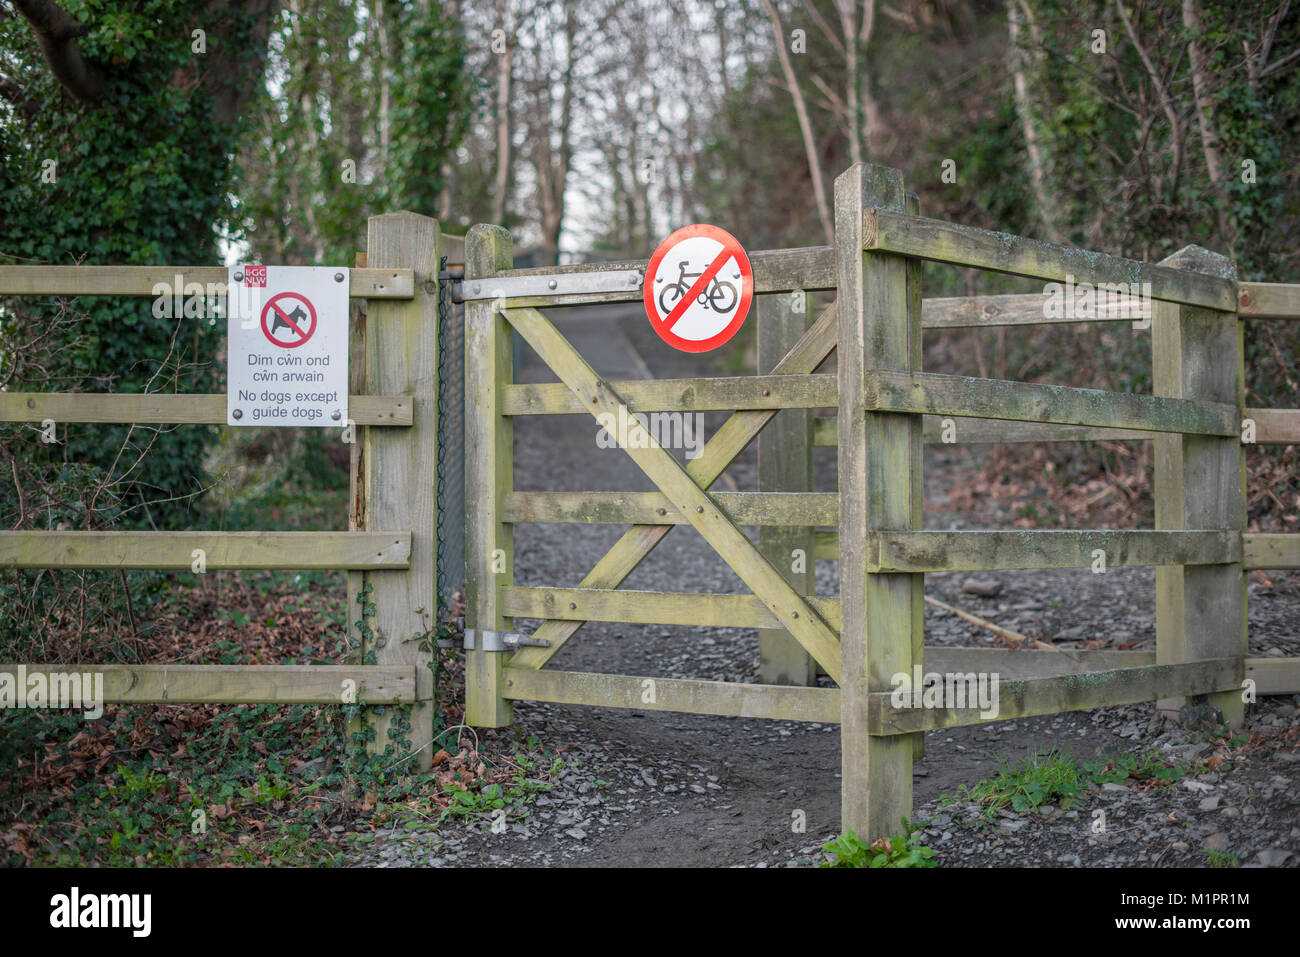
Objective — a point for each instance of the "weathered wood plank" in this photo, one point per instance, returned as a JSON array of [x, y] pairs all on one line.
[[673, 480], [1276, 426], [171, 408], [1200, 481], [1078, 692], [489, 477], [402, 357], [970, 431], [689, 609], [935, 551], [892, 231], [727, 442], [945, 395], [682, 395], [1274, 675], [879, 328], [731, 700], [372, 283], [653, 508], [238, 684], [1021, 663], [174, 551], [1268, 300], [1269, 550], [1015, 310], [785, 465]]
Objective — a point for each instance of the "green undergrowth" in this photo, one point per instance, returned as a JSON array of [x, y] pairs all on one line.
[[849, 850], [257, 785], [1056, 777]]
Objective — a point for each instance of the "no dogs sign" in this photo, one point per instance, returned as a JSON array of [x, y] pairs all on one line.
[[698, 288], [288, 346]]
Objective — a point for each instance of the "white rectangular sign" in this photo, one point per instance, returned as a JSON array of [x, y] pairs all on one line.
[[287, 353]]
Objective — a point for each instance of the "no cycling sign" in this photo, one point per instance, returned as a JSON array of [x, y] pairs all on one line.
[[287, 353], [698, 287]]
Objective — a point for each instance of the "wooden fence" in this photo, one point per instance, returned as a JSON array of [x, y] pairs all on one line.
[[388, 551], [887, 408]]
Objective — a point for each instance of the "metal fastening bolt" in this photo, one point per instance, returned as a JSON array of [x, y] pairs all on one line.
[[699, 508], [552, 284], [767, 392], [31, 403], [662, 511], [237, 414], [509, 683], [794, 614], [573, 605], [476, 289], [239, 277], [634, 279], [336, 415], [338, 277]]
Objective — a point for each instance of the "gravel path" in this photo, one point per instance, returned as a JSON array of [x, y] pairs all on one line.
[[648, 788]]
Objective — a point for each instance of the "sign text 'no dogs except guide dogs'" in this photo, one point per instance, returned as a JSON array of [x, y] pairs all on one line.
[[698, 288], [288, 346]]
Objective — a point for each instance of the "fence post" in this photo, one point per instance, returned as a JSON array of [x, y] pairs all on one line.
[[1200, 482], [399, 468], [489, 476], [879, 473], [785, 465]]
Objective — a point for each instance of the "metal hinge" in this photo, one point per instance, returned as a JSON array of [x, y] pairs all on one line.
[[502, 640], [553, 284]]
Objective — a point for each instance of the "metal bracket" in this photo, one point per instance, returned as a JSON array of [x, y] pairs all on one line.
[[552, 284], [502, 640]]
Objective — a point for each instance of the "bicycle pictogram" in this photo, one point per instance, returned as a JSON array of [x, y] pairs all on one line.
[[721, 296]]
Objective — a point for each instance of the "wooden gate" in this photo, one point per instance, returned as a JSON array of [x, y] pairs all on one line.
[[874, 631]]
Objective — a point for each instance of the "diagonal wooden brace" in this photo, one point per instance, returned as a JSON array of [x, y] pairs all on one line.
[[728, 442], [695, 504]]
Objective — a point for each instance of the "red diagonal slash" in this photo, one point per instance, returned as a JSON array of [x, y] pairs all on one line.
[[697, 287], [292, 325]]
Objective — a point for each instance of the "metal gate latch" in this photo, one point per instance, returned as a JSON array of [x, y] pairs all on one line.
[[502, 640]]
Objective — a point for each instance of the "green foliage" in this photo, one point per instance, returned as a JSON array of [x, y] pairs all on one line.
[[1035, 780], [367, 110], [142, 178], [1223, 859], [849, 850]]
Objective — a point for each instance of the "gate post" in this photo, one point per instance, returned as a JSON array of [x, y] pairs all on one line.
[[785, 465], [398, 468], [1200, 482], [489, 476], [880, 489]]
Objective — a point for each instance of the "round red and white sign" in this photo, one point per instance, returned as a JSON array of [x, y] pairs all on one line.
[[698, 288]]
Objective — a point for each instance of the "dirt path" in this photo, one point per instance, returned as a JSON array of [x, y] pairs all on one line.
[[648, 788]]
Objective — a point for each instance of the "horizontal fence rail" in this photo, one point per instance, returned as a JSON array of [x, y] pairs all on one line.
[[1032, 402], [1034, 696], [655, 508], [1272, 427], [936, 551], [681, 395], [652, 607], [939, 241], [143, 280], [234, 684], [173, 408], [178, 551]]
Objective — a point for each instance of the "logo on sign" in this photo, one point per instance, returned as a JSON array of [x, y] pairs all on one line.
[[698, 289], [255, 276], [288, 320]]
